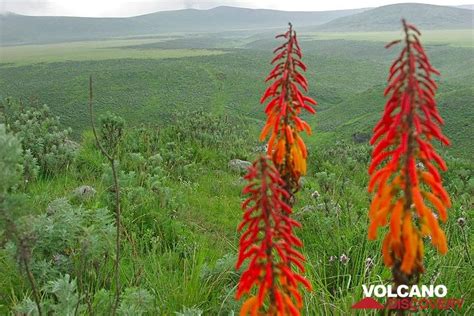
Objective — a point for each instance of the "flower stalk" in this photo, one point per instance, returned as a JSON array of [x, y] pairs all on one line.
[[269, 244], [285, 104], [408, 193]]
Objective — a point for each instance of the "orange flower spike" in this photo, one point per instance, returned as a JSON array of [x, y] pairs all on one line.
[[269, 244], [402, 149], [285, 101]]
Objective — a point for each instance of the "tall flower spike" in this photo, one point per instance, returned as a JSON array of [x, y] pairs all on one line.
[[404, 167], [286, 101], [269, 244]]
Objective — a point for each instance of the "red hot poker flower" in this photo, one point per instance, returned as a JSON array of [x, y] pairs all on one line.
[[268, 243], [404, 168], [286, 101]]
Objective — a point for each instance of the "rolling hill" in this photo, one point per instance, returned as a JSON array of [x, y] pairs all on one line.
[[20, 29], [466, 6], [387, 18]]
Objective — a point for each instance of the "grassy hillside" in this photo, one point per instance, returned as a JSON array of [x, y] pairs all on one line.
[[30, 29], [142, 83], [466, 6], [457, 38], [387, 18]]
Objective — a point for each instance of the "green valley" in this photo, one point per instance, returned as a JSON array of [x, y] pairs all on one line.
[[189, 100]]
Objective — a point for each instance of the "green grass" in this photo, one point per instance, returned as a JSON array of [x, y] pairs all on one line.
[[187, 242]]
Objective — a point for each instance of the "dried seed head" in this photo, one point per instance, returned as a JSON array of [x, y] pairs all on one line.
[[315, 195], [369, 263], [461, 222], [344, 259]]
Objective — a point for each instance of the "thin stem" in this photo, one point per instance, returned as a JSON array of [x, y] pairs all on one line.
[[407, 193], [34, 288], [290, 186], [399, 277], [117, 238], [23, 257], [269, 247], [466, 245], [118, 224], [91, 112]]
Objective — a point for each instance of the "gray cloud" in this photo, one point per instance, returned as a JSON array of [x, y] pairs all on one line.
[[117, 8], [189, 4], [27, 6], [138, 7]]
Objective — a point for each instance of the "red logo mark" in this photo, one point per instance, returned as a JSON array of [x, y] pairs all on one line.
[[368, 303]]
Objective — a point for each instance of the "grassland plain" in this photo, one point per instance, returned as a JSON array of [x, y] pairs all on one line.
[[91, 50], [184, 222]]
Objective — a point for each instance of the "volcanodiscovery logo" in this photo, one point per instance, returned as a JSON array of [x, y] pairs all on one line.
[[411, 298]]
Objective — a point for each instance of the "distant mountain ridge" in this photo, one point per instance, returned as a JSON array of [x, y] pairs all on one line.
[[7, 13], [20, 29], [466, 6], [387, 18]]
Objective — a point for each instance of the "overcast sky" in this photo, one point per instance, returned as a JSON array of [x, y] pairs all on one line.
[[131, 8]]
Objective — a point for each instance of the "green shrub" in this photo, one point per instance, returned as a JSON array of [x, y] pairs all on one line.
[[136, 301], [67, 239], [41, 137], [10, 160], [111, 132]]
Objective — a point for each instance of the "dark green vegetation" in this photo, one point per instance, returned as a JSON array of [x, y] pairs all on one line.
[[387, 18], [186, 118]]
